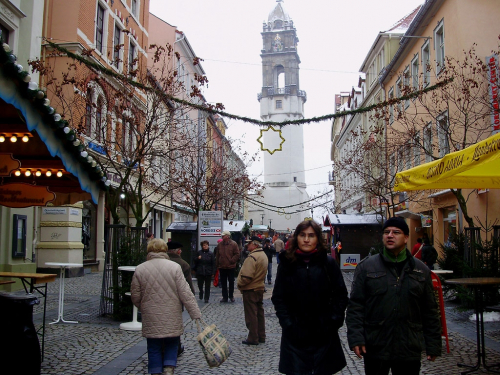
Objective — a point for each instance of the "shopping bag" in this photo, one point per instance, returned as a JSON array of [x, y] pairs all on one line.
[[216, 278], [213, 344]]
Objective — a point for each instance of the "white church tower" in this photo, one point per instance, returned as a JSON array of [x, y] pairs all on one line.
[[281, 99]]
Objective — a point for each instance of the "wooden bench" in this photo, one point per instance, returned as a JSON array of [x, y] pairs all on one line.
[[7, 282]]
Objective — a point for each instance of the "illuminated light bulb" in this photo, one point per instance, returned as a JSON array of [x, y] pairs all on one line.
[[26, 138], [19, 68], [122, 195], [13, 139], [33, 86], [107, 183], [76, 143], [57, 117], [48, 173], [27, 78], [2, 138], [84, 154], [59, 173], [27, 173], [66, 130], [46, 102], [38, 173], [17, 172]]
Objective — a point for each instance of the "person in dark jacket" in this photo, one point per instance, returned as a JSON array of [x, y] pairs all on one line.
[[310, 298], [270, 252], [174, 253], [392, 314], [204, 266], [429, 254]]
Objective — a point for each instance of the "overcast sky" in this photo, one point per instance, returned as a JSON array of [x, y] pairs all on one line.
[[334, 39]]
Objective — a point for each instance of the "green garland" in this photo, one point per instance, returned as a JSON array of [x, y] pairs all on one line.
[[214, 111]]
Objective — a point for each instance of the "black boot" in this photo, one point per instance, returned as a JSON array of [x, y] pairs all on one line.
[[201, 295]]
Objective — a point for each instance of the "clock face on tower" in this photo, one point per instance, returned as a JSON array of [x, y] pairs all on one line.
[[277, 44]]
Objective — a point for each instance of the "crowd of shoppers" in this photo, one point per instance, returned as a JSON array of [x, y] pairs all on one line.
[[391, 315]]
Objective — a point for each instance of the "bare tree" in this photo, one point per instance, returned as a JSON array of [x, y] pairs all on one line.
[[422, 126]]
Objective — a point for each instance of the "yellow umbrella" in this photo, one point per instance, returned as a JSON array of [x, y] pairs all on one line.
[[476, 167]]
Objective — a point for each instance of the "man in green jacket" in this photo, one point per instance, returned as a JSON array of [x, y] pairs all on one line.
[[251, 284], [392, 314]]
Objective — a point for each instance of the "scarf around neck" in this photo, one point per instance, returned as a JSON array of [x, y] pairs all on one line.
[[306, 257]]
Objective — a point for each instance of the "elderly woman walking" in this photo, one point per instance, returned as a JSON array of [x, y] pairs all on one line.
[[159, 290]]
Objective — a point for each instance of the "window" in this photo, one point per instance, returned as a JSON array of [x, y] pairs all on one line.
[[88, 113], [442, 128], [117, 46], [19, 236], [428, 142], [128, 139], [95, 113], [398, 93], [414, 72], [4, 32], [407, 156], [416, 150], [391, 107], [99, 131], [279, 104], [426, 64], [135, 7], [99, 28], [391, 165], [439, 46], [131, 56], [401, 158], [406, 83]]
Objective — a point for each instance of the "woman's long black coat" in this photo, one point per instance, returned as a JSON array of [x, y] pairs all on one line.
[[310, 301]]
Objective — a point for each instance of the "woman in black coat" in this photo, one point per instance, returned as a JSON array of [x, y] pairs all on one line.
[[204, 265], [310, 298]]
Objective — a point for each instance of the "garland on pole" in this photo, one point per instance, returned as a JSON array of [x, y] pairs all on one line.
[[249, 120]]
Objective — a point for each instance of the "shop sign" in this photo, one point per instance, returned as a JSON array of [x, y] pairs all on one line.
[[349, 261], [8, 164], [54, 211], [21, 195], [493, 78]]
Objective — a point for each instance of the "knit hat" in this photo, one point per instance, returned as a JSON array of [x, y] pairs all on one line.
[[397, 222], [173, 245]]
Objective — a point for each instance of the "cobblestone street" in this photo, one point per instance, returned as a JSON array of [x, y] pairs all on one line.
[[96, 345]]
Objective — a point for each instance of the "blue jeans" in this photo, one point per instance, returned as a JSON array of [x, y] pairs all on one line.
[[269, 271], [162, 352]]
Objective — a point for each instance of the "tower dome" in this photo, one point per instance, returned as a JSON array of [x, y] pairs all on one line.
[[278, 17]]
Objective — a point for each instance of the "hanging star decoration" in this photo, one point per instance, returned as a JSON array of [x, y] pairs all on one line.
[[262, 144]]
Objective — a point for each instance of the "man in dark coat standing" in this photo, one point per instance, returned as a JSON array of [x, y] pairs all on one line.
[[228, 254], [174, 253], [392, 314]]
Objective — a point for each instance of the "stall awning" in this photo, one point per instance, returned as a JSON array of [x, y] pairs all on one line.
[[182, 226], [259, 228], [233, 225], [476, 167], [25, 113], [408, 215]]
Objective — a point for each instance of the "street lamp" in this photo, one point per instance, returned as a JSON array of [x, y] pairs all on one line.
[[269, 223], [262, 222]]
